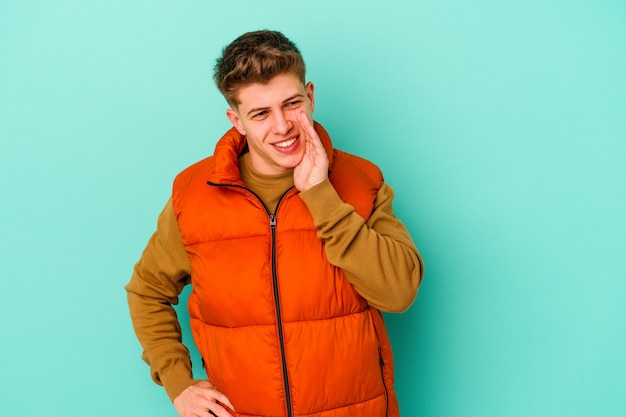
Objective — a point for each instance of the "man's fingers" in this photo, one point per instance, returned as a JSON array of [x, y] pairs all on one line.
[[220, 411], [313, 168], [313, 141], [212, 394], [217, 402], [202, 399], [227, 405], [306, 124], [204, 407]]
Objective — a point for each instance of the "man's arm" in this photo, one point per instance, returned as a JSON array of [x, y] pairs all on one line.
[[155, 285], [379, 257]]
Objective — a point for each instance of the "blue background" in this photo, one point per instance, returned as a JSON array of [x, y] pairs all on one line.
[[500, 124]]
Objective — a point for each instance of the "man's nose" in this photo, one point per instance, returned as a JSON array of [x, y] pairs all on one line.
[[282, 124]]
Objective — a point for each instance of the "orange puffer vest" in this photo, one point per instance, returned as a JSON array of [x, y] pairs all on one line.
[[281, 331]]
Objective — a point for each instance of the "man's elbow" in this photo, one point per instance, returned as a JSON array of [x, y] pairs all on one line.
[[405, 297], [401, 302]]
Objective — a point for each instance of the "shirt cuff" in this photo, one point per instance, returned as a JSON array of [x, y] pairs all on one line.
[[322, 201], [175, 381]]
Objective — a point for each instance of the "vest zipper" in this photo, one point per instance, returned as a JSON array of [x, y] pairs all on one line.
[[279, 319]]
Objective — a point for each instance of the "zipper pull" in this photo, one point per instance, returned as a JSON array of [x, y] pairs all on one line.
[[273, 221]]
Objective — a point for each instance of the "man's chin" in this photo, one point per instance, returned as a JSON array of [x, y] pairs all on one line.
[[292, 161]]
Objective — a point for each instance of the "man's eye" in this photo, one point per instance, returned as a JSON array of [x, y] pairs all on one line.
[[260, 115], [293, 103]]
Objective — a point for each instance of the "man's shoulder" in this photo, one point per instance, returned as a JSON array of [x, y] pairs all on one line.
[[197, 171]]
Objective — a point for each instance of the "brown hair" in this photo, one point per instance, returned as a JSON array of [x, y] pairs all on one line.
[[256, 57]]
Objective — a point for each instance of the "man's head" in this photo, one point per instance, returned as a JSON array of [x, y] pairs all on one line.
[[261, 74], [256, 57]]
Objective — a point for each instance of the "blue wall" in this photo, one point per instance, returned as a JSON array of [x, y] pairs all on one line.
[[501, 125]]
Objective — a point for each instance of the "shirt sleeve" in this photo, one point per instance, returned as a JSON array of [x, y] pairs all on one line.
[[157, 281], [378, 257]]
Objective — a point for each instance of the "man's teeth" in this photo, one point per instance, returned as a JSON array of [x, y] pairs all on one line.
[[286, 143]]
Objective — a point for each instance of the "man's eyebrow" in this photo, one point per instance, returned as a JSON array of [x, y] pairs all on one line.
[[256, 109], [299, 95]]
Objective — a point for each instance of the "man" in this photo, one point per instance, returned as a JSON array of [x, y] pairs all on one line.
[[292, 250]]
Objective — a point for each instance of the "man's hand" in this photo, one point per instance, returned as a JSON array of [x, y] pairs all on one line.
[[313, 169], [202, 399]]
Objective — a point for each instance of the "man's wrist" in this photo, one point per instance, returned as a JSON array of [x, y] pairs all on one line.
[[322, 200], [175, 380]]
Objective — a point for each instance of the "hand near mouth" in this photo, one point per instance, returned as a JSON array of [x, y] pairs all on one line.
[[313, 169]]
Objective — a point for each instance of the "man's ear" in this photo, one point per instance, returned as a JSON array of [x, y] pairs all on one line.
[[310, 90], [233, 116]]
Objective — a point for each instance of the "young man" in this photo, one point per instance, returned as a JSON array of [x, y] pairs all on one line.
[[292, 250]]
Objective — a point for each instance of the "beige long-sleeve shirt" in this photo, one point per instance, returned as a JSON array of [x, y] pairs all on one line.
[[378, 257]]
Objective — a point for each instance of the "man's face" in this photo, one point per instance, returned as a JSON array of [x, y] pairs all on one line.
[[266, 115]]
